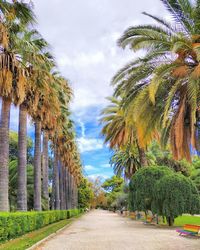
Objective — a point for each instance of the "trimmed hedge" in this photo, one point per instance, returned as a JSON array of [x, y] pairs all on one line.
[[16, 224]]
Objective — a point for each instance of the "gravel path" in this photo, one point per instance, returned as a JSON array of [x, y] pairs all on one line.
[[102, 230]]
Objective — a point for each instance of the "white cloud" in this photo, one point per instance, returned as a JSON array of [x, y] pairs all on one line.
[[89, 144], [107, 165], [95, 176], [89, 167]]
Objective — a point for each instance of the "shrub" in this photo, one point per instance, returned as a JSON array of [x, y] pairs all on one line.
[[19, 223], [164, 192]]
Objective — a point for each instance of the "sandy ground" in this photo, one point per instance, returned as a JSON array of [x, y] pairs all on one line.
[[104, 230]]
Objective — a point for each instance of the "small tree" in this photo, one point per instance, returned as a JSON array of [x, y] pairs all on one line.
[[142, 187], [164, 192], [175, 195]]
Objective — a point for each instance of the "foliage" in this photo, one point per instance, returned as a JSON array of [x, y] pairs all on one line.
[[142, 187], [30, 239], [85, 194], [13, 147], [160, 91], [174, 195], [99, 198], [195, 174], [113, 187], [163, 157], [125, 161], [15, 224], [164, 192], [114, 184]]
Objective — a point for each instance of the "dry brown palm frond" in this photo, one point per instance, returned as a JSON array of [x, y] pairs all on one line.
[[179, 123], [4, 39], [6, 79], [196, 72], [180, 135], [20, 90], [180, 71]]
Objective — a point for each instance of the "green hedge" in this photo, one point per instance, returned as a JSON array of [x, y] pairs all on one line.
[[19, 223]]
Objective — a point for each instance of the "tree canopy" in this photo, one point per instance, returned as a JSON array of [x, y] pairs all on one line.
[[164, 192]]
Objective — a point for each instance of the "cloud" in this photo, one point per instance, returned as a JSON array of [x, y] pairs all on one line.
[[89, 144], [107, 165], [95, 176], [89, 167]]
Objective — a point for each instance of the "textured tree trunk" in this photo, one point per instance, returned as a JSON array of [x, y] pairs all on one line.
[[142, 156], [64, 187], [67, 188], [69, 191], [170, 220], [37, 167], [76, 195], [22, 160], [62, 199], [56, 180], [45, 170], [4, 153], [72, 191]]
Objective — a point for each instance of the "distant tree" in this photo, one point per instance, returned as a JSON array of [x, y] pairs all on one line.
[[114, 184], [113, 187], [85, 194]]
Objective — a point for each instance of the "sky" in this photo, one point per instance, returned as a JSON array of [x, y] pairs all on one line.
[[83, 36]]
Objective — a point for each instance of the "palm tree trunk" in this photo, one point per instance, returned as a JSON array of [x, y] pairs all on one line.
[[69, 191], [4, 153], [37, 167], [22, 160], [62, 206], [45, 168], [72, 191], [56, 180], [142, 156], [67, 188], [76, 192], [64, 187]]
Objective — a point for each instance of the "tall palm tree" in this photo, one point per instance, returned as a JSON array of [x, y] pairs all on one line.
[[30, 45], [161, 90], [12, 14]]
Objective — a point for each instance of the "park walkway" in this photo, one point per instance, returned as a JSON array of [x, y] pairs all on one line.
[[104, 230]]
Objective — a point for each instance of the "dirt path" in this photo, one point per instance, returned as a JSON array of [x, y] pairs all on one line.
[[107, 231]]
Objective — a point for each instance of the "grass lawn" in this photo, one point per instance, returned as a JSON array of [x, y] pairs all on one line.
[[30, 239], [187, 219]]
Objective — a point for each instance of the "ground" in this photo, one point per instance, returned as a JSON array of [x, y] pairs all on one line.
[[103, 230]]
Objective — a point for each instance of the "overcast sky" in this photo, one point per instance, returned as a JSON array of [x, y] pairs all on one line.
[[83, 37]]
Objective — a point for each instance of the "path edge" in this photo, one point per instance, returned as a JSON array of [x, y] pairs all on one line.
[[37, 244]]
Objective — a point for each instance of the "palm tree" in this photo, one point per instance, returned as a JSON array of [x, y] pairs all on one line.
[[30, 45], [12, 14], [161, 90], [118, 129], [125, 162]]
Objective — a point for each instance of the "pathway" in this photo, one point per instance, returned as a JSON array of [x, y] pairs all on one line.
[[102, 230]]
